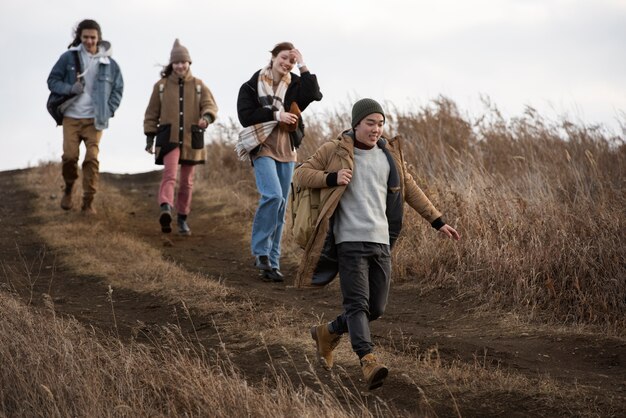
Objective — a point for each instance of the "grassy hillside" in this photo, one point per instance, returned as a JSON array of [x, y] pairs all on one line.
[[536, 281], [540, 204]]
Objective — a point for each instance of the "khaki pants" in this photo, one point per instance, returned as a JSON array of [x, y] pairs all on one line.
[[75, 131]]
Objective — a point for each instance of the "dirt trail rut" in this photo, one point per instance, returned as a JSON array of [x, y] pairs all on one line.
[[216, 249]]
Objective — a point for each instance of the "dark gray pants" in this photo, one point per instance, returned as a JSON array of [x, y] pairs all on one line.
[[364, 276]]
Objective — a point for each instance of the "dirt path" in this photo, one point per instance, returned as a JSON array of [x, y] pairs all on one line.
[[412, 322]]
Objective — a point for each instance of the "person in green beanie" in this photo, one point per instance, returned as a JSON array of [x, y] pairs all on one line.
[[363, 184]]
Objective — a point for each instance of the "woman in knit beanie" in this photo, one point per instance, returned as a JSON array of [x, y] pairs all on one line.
[[179, 53], [181, 107], [268, 107]]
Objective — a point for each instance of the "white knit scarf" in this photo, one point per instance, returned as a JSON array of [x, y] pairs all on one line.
[[253, 136]]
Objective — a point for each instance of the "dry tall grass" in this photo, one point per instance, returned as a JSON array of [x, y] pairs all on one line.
[[54, 367], [541, 206], [170, 377]]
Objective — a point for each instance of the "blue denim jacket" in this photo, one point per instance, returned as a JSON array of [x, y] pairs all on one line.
[[109, 83]]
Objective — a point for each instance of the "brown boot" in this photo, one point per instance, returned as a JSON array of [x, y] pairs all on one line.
[[326, 342], [87, 208], [66, 200], [374, 372]]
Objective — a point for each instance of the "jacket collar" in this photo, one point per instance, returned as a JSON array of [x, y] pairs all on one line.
[[346, 143], [103, 54], [346, 140], [252, 83], [174, 77]]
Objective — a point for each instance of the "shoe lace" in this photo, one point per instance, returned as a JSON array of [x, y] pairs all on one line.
[[368, 360]]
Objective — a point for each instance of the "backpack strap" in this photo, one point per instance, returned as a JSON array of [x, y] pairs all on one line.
[[77, 64], [161, 88]]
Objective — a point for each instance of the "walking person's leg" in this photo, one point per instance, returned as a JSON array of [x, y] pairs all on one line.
[[364, 280], [328, 335], [379, 276], [166, 189], [185, 189], [91, 164], [285, 173], [183, 201], [69, 159], [379, 280], [364, 275], [354, 282], [266, 215]]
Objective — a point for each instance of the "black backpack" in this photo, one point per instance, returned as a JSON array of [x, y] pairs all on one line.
[[55, 100]]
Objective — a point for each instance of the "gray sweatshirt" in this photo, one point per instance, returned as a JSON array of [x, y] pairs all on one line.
[[361, 216]]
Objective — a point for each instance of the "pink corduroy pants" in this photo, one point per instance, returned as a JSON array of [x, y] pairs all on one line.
[[168, 183]]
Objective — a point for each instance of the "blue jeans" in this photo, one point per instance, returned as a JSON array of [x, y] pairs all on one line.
[[273, 179], [364, 277]]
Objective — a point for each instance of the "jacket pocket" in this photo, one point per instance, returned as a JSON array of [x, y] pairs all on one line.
[[163, 135], [197, 137], [105, 76]]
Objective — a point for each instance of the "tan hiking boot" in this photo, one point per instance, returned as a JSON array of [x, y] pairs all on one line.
[[87, 208], [66, 200], [326, 342], [374, 371]]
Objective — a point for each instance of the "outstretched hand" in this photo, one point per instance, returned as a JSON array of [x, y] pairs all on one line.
[[449, 232]]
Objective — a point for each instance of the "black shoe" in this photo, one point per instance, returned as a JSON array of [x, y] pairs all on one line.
[[165, 219], [263, 262], [183, 227], [275, 276]]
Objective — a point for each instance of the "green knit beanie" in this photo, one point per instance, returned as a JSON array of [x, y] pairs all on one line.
[[365, 107]]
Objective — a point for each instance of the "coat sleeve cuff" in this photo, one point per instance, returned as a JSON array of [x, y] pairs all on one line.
[[331, 179], [438, 223]]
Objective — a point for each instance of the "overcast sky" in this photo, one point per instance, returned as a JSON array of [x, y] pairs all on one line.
[[563, 57]]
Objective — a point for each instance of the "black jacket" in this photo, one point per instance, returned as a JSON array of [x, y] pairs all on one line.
[[303, 89]]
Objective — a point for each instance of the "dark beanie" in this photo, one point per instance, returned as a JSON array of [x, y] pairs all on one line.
[[179, 53], [365, 107]]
